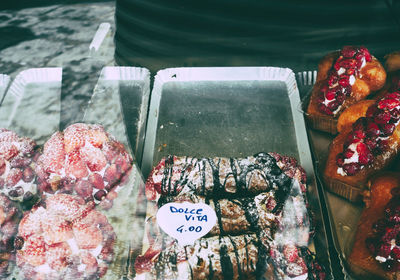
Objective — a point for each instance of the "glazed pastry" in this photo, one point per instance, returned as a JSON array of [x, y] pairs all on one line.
[[344, 78], [375, 251], [369, 145], [17, 178], [86, 160], [64, 239], [10, 216], [352, 114]]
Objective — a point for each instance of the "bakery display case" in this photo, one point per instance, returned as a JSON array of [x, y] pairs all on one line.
[[199, 140]]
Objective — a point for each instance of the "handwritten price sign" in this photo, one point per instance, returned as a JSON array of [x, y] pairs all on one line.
[[186, 221]]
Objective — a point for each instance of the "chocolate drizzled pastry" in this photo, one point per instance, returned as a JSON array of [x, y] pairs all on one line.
[[219, 177]]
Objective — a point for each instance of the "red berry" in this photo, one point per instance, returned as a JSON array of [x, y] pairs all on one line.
[[76, 166], [13, 177], [28, 175], [348, 153], [344, 82], [348, 63], [388, 103], [330, 95], [351, 168], [337, 65], [391, 95], [384, 250], [396, 253], [84, 189], [340, 97], [332, 79], [96, 180], [8, 150], [372, 129], [365, 158], [333, 105], [362, 149], [348, 51], [290, 253], [74, 137], [366, 54], [111, 174], [20, 161], [94, 158], [99, 195], [371, 143], [387, 129], [382, 117], [360, 134]]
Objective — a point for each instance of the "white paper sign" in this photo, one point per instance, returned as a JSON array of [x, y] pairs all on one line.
[[186, 221]]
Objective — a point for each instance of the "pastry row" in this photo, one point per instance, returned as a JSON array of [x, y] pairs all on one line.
[[263, 223], [366, 146]]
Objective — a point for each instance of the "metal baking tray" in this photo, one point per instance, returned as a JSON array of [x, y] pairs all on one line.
[[343, 215], [231, 112], [31, 107]]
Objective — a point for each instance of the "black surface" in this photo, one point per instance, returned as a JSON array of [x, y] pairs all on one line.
[[295, 34]]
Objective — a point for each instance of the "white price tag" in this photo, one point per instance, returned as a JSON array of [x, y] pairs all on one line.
[[186, 221]]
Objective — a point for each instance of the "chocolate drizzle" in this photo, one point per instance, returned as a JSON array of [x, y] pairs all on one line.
[[226, 264], [237, 258], [262, 164]]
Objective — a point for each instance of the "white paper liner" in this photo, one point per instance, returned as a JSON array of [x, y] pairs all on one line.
[[4, 81], [285, 75], [106, 98], [35, 112]]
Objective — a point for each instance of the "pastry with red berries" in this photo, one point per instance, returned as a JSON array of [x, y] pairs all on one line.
[[344, 78], [9, 219], [86, 160], [376, 250], [64, 238], [17, 157], [366, 146]]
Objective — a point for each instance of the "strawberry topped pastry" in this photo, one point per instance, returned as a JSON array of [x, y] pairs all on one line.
[[376, 250], [86, 160], [17, 178], [64, 239], [365, 147], [344, 78], [9, 219]]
